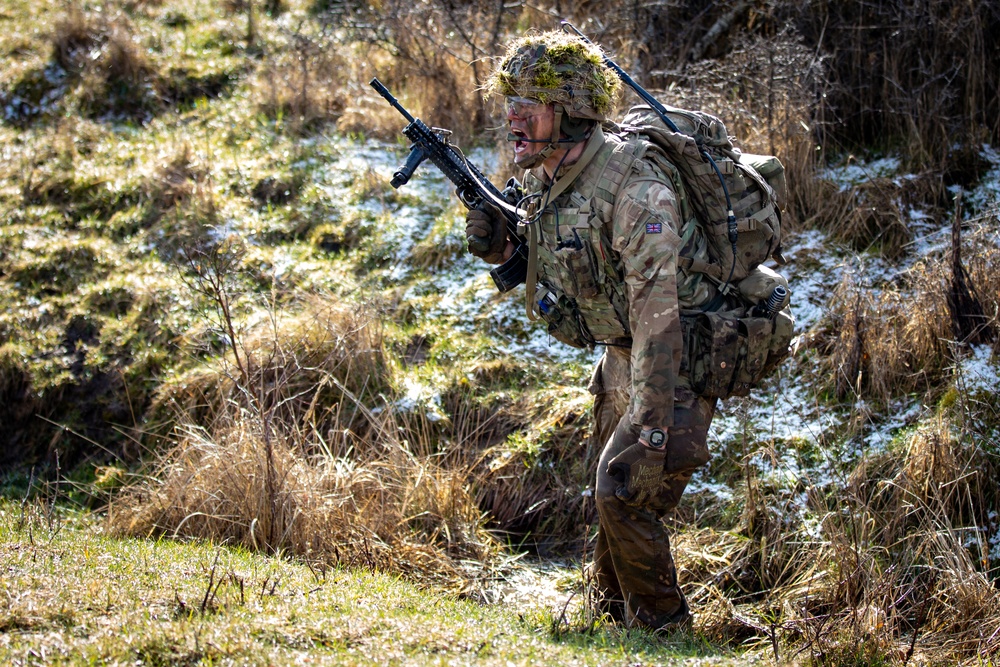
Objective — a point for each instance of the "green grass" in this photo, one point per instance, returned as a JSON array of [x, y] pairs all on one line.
[[103, 327], [75, 596], [99, 209]]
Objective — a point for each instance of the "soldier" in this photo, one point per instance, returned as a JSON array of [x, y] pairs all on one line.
[[604, 231]]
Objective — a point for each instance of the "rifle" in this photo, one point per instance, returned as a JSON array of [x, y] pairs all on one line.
[[473, 189]]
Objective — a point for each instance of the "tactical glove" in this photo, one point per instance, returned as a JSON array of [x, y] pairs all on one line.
[[486, 235], [638, 469]]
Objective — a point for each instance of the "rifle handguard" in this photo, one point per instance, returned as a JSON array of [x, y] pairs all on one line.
[[471, 186]]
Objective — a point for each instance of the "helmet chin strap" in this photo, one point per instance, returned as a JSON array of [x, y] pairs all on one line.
[[551, 144]]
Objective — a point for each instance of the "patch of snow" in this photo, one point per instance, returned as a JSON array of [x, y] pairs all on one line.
[[900, 414], [986, 194], [930, 237], [701, 484], [785, 410], [856, 172], [419, 396], [979, 373]]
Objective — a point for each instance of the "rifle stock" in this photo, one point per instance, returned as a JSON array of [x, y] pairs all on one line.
[[471, 186]]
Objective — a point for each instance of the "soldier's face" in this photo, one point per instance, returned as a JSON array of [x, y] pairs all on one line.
[[532, 121]]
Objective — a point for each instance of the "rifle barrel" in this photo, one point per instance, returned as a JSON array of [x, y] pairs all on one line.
[[384, 92]]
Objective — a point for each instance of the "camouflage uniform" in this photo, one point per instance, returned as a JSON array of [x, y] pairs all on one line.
[[632, 557], [607, 251]]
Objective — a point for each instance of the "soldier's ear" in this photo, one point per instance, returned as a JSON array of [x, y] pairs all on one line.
[[575, 129]]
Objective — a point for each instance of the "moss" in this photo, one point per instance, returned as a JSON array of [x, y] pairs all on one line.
[[62, 267], [557, 67], [949, 398]]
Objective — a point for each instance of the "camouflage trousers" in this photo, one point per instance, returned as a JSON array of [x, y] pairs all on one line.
[[633, 568]]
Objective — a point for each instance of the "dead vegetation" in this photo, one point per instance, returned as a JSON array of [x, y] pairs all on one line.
[[283, 428], [896, 570], [889, 340], [302, 81], [114, 74], [353, 502], [923, 74], [319, 369], [296, 456]]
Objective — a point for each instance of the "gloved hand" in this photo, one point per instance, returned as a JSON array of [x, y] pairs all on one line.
[[638, 469], [486, 235]]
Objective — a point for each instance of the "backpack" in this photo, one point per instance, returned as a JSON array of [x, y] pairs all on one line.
[[731, 350]]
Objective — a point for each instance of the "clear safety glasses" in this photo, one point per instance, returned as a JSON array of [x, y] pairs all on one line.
[[523, 108]]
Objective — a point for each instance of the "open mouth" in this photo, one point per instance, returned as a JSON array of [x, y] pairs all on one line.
[[518, 137]]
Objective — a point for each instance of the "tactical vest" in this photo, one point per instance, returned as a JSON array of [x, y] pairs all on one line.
[[581, 292]]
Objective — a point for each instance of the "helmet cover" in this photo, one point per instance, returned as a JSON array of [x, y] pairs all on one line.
[[558, 68]]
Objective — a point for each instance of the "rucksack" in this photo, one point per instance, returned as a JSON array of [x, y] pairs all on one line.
[[755, 183], [729, 350]]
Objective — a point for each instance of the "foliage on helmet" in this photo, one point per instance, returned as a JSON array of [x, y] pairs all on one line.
[[556, 67]]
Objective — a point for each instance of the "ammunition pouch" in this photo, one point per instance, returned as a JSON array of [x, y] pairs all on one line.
[[574, 271], [728, 353], [562, 318]]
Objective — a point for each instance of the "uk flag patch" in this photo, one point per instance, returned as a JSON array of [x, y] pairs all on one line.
[[654, 227]]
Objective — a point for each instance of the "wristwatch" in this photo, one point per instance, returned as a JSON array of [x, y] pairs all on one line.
[[656, 437]]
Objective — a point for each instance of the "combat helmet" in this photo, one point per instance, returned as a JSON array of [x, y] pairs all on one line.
[[558, 68]]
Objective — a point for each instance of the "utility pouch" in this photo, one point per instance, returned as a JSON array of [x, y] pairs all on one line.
[[727, 353], [717, 337], [560, 318], [754, 339], [575, 269], [779, 346]]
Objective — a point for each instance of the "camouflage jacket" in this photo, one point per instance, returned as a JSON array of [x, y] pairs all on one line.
[[607, 265]]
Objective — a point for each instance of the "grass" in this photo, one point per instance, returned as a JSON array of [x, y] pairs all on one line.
[[76, 596], [328, 434]]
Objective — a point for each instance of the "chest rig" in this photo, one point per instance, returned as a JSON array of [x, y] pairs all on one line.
[[580, 291]]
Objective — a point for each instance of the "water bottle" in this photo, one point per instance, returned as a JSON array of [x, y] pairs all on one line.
[[773, 304]]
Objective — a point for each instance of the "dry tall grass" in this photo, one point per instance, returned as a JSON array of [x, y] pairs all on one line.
[[896, 571], [114, 72], [890, 340], [764, 90], [307, 79], [445, 47], [357, 503], [315, 370], [296, 456], [922, 74]]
